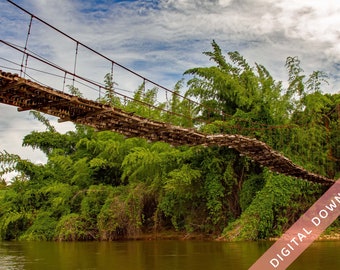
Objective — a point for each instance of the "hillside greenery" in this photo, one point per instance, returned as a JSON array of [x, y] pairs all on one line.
[[99, 185]]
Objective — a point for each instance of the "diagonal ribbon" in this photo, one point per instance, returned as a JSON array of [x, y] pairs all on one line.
[[303, 232]]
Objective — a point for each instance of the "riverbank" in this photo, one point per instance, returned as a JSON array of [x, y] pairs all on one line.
[[172, 235], [333, 234]]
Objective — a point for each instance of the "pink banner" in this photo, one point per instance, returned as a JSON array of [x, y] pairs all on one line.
[[303, 232]]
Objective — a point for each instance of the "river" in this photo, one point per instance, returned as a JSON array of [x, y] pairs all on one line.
[[149, 255]]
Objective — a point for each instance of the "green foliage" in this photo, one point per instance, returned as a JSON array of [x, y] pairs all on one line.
[[43, 228], [57, 198], [48, 141], [146, 164], [263, 218], [122, 215], [83, 176], [228, 87], [93, 201], [74, 91], [110, 97], [180, 195], [13, 224], [181, 111], [295, 77], [249, 189], [40, 117], [113, 220], [73, 227], [8, 162], [102, 186], [145, 104]]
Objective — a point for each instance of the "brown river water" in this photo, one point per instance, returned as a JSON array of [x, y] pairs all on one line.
[[160, 255]]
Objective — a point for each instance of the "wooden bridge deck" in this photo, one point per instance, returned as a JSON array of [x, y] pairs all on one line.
[[28, 95]]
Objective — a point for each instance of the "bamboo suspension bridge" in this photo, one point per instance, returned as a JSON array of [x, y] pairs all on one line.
[[29, 94]]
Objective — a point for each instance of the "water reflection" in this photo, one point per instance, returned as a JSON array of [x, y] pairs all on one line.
[[11, 256], [320, 255], [148, 255]]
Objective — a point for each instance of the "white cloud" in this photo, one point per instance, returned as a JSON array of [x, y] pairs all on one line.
[[310, 20], [13, 127]]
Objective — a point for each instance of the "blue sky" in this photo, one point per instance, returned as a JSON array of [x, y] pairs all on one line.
[[161, 39]]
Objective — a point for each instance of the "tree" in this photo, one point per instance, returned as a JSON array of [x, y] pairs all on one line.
[[144, 103], [227, 89], [110, 97]]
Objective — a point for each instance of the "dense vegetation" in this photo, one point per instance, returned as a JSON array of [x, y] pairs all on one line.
[[102, 186]]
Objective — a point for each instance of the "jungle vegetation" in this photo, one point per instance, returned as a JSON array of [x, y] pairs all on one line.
[[102, 186]]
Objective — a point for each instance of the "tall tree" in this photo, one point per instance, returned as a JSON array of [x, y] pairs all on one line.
[[228, 89]]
